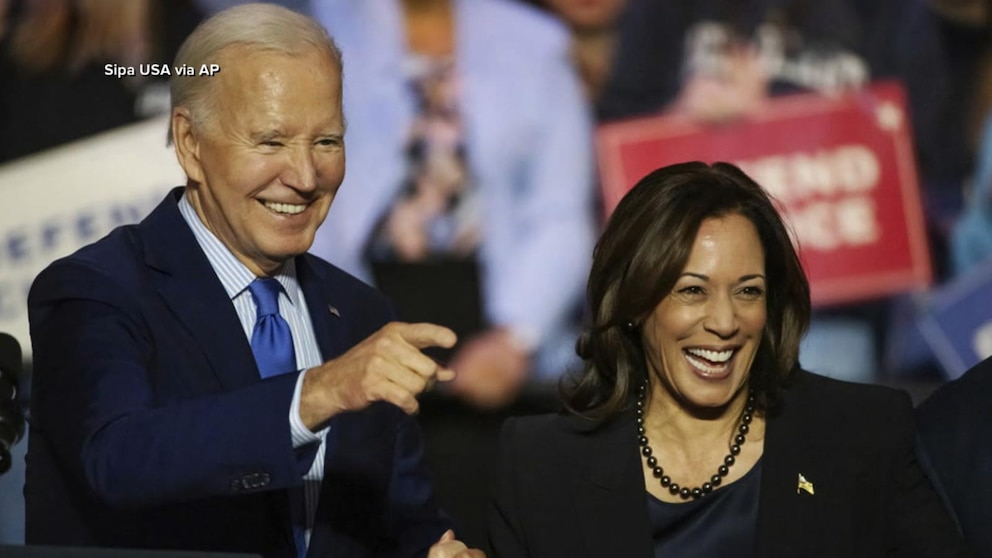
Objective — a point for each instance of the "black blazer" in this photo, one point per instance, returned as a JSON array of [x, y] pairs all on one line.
[[569, 488], [956, 450], [150, 426]]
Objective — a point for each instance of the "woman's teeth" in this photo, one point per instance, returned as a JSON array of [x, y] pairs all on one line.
[[712, 356]]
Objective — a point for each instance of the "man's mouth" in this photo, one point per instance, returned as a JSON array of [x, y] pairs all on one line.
[[285, 208]]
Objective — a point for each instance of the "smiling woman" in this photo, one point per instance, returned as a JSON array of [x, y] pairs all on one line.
[[692, 430]]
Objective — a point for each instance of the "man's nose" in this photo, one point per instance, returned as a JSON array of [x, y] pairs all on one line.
[[302, 172]]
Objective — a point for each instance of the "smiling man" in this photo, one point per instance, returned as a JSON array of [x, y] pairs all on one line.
[[200, 381]]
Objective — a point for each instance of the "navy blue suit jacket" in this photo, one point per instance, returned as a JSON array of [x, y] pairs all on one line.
[[151, 428], [955, 427]]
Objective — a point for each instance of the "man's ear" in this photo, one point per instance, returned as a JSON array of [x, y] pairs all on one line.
[[187, 144]]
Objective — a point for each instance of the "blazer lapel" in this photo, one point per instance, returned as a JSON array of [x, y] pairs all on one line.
[[610, 498], [328, 317], [791, 518], [193, 293]]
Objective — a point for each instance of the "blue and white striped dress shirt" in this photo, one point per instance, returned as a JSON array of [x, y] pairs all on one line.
[[236, 277]]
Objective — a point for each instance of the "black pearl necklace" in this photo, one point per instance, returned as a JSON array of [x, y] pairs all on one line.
[[722, 471]]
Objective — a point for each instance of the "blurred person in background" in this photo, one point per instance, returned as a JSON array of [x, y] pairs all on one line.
[[472, 186], [52, 57], [971, 240], [594, 26]]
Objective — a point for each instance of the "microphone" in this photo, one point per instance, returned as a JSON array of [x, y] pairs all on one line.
[[11, 418]]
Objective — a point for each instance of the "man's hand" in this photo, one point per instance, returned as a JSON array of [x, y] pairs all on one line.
[[491, 369], [449, 547], [387, 366]]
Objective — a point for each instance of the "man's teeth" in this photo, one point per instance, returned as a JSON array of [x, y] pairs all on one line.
[[712, 356], [290, 208]]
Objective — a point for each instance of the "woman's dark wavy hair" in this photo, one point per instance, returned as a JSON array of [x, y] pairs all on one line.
[[638, 259]]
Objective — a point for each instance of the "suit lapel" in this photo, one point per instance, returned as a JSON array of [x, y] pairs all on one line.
[[193, 293], [790, 519], [327, 316], [609, 494]]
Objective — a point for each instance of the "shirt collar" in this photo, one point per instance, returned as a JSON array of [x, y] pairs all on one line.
[[234, 275]]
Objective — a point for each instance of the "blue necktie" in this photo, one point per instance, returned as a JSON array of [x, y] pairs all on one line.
[[271, 340], [272, 343]]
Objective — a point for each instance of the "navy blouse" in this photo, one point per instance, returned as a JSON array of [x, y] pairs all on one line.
[[720, 524]]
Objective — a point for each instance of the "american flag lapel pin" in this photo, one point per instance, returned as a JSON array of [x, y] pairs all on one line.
[[804, 485], [333, 310]]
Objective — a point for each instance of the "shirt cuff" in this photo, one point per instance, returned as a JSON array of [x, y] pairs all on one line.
[[300, 433]]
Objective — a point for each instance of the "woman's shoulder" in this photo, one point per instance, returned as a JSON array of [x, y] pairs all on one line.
[[825, 390], [846, 409]]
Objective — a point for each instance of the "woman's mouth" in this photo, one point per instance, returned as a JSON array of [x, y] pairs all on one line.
[[708, 363]]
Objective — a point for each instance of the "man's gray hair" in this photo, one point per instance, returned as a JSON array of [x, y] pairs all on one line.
[[263, 27]]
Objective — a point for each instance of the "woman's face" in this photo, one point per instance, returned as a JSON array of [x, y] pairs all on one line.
[[701, 339]]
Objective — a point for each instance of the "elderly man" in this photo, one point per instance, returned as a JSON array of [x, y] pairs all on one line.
[[201, 382]]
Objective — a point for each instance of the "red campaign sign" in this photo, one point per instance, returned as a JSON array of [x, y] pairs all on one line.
[[842, 168]]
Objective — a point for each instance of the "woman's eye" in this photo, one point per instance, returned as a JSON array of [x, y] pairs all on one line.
[[691, 290], [753, 292]]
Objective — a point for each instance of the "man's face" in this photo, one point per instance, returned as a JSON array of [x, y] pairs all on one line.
[[269, 157]]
